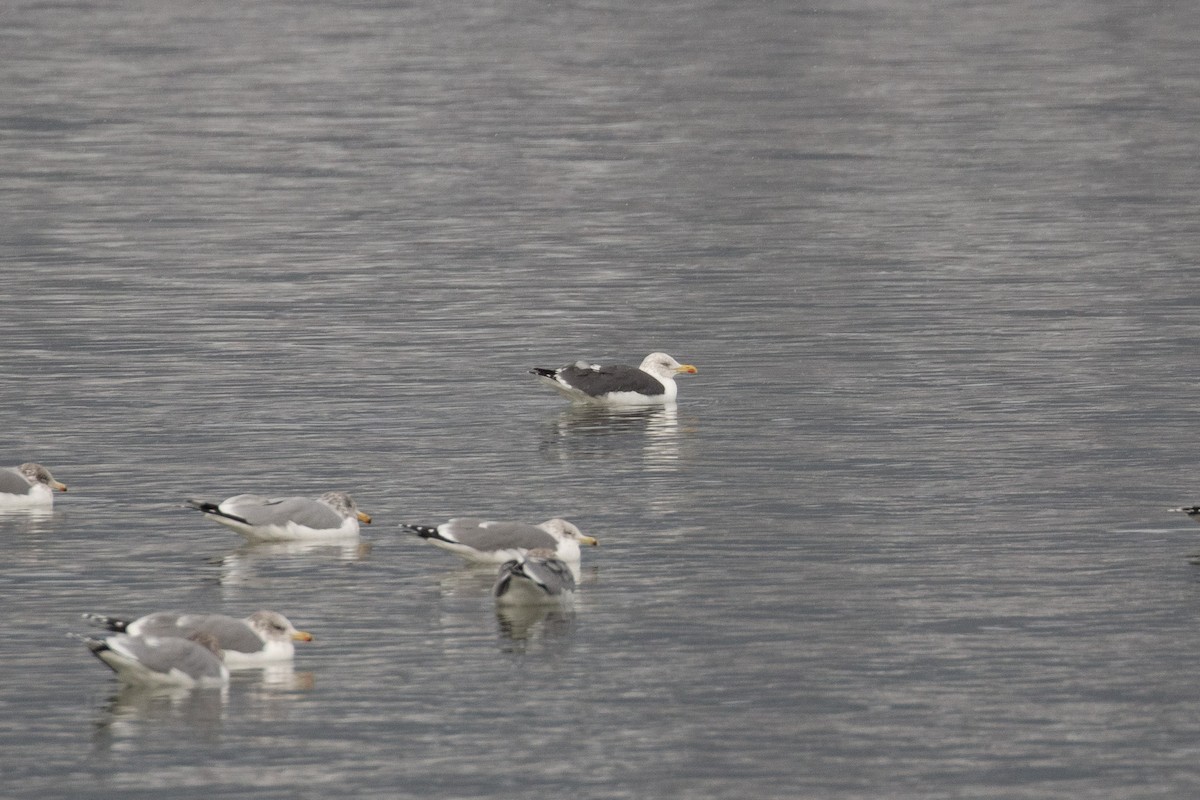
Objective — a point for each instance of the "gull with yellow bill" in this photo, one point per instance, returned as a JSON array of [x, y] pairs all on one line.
[[652, 382]]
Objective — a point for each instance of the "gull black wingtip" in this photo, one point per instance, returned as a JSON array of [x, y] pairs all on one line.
[[424, 531], [207, 507], [90, 642], [110, 623]]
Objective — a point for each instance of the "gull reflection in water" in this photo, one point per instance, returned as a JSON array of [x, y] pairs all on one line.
[[29, 537], [584, 431], [125, 715], [468, 580], [526, 628], [22, 522], [463, 594], [243, 565], [281, 675], [266, 693], [18, 513]]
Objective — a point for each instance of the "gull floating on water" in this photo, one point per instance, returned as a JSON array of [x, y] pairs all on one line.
[[264, 637], [491, 542], [617, 384], [264, 519], [162, 660], [28, 486], [537, 579]]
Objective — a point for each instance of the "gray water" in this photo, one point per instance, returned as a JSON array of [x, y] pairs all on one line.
[[905, 535]]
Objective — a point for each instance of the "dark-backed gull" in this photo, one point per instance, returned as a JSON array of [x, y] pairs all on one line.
[[618, 384]]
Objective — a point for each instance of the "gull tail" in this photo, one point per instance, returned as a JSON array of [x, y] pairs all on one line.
[[207, 507], [92, 643], [542, 372], [508, 571], [425, 531], [111, 623]]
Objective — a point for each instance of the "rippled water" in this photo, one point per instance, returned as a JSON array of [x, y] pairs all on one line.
[[904, 535]]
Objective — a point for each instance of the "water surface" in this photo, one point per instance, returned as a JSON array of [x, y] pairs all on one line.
[[903, 536]]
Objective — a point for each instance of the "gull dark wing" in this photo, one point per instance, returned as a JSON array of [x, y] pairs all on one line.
[[617, 378]]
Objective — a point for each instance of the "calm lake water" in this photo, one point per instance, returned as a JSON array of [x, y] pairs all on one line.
[[905, 535]]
